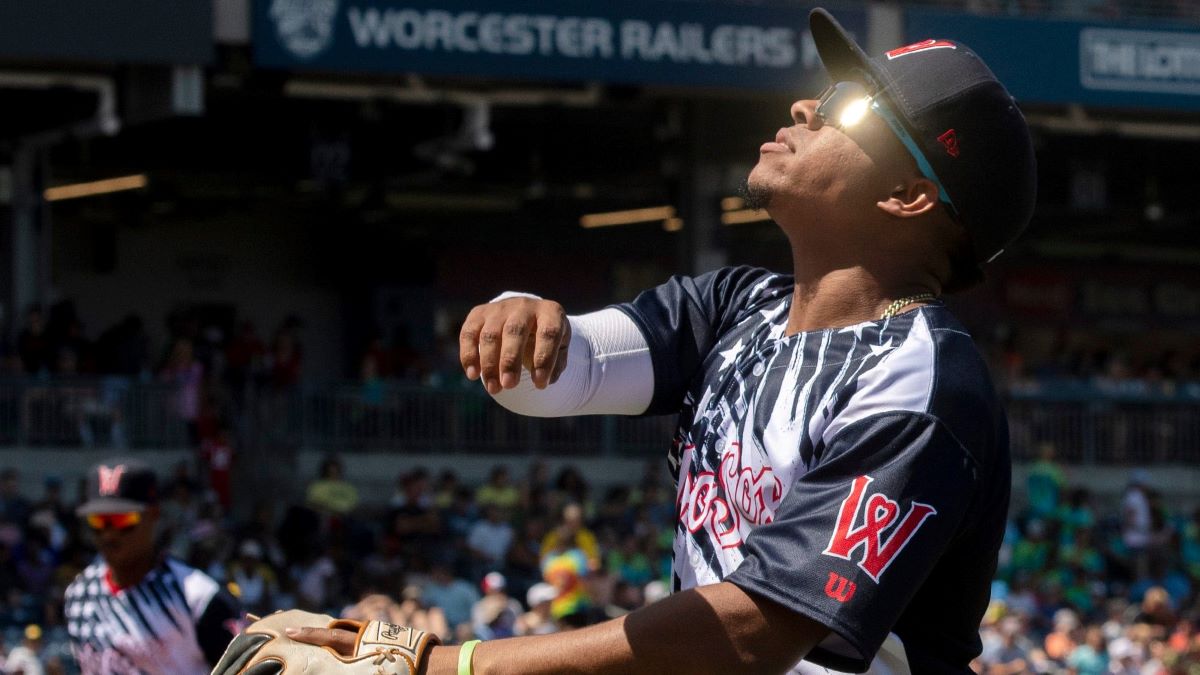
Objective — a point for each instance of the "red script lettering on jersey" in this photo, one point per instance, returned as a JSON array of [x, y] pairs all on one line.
[[879, 515], [730, 500]]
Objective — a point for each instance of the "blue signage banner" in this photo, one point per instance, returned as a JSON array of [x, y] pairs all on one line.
[[1107, 65], [664, 42], [121, 31]]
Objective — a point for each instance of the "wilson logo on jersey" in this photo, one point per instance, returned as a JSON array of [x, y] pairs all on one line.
[[882, 534], [920, 47]]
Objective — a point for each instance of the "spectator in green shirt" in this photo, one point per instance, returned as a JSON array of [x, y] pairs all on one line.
[[331, 493]]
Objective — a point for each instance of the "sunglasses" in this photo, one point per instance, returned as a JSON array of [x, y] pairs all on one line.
[[113, 521], [845, 104]]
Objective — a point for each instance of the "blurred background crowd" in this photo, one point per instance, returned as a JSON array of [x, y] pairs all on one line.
[[1082, 587], [239, 237]]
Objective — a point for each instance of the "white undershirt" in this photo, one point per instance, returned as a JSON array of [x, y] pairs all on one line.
[[608, 372]]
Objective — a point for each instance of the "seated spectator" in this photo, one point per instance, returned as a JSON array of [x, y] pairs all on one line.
[[495, 615], [14, 507], [567, 570], [1045, 483], [524, 561], [572, 534], [489, 540], [410, 611], [255, 580], [454, 596], [1011, 658], [314, 579], [25, 658], [414, 520], [538, 620], [498, 491], [331, 493], [1156, 611], [447, 488], [1091, 657]]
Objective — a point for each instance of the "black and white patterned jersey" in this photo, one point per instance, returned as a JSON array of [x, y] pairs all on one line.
[[859, 476], [176, 621]]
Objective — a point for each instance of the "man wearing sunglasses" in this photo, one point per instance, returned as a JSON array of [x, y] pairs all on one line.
[[841, 461], [135, 610]]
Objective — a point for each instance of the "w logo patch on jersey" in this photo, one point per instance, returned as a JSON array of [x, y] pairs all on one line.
[[882, 534]]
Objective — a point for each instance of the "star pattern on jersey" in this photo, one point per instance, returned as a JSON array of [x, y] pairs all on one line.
[[880, 350], [857, 329], [729, 356]]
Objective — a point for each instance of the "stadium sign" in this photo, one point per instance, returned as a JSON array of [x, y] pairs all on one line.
[[1152, 67], [1136, 60], [624, 41]]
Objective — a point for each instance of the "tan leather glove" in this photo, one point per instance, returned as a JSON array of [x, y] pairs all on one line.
[[381, 648]]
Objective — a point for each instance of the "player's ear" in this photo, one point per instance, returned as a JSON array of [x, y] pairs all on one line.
[[914, 197]]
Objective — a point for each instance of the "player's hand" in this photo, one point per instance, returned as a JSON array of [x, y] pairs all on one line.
[[339, 640], [498, 338]]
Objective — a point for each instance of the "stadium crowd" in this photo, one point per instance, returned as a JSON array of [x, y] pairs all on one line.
[[1083, 587], [1087, 587]]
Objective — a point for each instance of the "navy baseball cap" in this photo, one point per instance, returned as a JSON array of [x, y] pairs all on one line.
[[119, 486], [966, 123]]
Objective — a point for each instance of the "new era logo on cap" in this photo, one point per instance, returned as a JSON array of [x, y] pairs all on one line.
[[950, 141], [924, 45]]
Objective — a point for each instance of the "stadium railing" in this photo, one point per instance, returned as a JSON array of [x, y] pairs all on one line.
[[1086, 425]]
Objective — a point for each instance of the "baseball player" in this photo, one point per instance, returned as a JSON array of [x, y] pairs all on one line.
[[135, 611], [841, 462]]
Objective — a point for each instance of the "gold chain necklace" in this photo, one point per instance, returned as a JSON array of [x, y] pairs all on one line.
[[903, 302]]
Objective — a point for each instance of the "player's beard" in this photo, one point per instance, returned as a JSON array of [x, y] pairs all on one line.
[[755, 196]]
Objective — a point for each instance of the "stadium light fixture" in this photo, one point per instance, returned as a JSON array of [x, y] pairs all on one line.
[[744, 216], [96, 187], [629, 217]]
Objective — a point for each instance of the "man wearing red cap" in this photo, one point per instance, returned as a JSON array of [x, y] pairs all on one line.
[[841, 461]]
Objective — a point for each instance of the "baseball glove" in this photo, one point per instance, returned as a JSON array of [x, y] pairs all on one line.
[[380, 648]]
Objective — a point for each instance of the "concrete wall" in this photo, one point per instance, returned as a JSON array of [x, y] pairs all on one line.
[[264, 268], [375, 474]]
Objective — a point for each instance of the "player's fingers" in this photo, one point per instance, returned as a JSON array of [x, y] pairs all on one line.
[[516, 329], [341, 641], [468, 343], [560, 364], [550, 338], [491, 337]]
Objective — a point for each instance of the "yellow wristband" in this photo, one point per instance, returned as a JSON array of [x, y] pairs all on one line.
[[464, 656]]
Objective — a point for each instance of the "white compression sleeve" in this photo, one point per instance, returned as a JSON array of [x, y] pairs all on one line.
[[609, 372]]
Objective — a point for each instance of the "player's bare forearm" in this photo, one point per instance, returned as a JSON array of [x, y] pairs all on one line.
[[712, 629]]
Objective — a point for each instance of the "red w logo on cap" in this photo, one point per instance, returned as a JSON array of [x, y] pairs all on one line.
[[920, 47], [110, 479]]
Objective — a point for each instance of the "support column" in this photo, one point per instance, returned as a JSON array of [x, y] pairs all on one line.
[[25, 239], [701, 185]]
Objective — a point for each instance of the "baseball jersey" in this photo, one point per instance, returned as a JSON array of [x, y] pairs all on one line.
[[859, 476], [176, 621]]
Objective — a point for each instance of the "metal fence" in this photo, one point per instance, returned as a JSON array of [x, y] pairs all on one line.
[[103, 412], [114, 412]]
